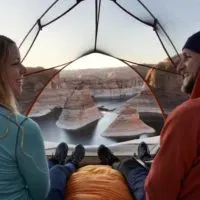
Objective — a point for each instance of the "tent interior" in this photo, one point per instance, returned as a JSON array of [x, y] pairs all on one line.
[[100, 71]]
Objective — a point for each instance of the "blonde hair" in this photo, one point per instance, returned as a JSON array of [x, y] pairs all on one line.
[[7, 98]]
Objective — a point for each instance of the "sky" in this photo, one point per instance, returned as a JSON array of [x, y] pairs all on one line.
[[120, 35]]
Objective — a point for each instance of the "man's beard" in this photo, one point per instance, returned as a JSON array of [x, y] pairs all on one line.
[[188, 84]]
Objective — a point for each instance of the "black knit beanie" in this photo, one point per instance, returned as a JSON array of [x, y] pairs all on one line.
[[193, 43]]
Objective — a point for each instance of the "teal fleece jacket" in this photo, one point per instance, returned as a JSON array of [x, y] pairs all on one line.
[[24, 173]]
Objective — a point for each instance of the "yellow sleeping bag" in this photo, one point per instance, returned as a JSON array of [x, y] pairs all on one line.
[[97, 182]]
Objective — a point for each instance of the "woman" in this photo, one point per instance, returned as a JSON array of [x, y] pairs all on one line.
[[24, 172], [23, 165]]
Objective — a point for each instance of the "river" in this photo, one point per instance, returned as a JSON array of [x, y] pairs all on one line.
[[91, 134]]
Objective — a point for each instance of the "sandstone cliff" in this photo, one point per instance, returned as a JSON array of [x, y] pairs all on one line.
[[106, 82], [79, 110], [128, 124], [166, 86], [34, 82]]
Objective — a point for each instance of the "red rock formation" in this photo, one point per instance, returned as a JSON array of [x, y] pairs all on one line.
[[128, 124], [79, 110], [166, 86], [34, 82]]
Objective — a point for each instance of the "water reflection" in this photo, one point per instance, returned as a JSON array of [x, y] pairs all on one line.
[[91, 134]]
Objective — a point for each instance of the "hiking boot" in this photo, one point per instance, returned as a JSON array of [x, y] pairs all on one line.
[[61, 153], [106, 156], [128, 164], [144, 152], [77, 155]]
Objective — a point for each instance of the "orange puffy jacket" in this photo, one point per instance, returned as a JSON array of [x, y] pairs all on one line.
[[175, 172]]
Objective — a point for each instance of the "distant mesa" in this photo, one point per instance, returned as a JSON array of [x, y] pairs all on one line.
[[128, 124], [79, 110]]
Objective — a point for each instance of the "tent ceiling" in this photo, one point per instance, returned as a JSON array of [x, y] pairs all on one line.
[[118, 33]]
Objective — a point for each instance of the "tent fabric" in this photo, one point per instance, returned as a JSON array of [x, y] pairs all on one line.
[[95, 182], [87, 25], [76, 22], [144, 31], [58, 35]]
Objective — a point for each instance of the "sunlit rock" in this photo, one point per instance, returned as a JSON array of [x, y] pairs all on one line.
[[128, 124], [79, 110]]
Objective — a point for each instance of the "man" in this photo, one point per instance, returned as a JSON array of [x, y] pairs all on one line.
[[175, 172]]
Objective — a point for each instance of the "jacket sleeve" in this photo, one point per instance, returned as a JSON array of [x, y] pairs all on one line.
[[178, 149], [32, 161]]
